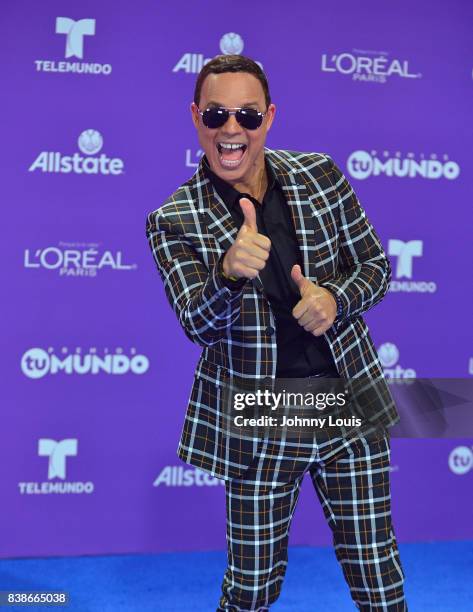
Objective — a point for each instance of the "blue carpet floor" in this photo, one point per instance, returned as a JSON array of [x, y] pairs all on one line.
[[439, 578]]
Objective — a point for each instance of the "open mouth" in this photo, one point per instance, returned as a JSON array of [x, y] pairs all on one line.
[[231, 154]]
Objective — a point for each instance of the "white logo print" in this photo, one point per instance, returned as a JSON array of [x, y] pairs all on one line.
[[57, 453], [362, 67], [405, 253], [75, 32], [178, 476], [389, 356], [90, 142], [231, 44], [76, 259], [460, 460], [190, 163], [362, 165], [37, 363]]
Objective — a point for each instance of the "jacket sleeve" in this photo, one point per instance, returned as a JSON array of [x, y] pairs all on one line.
[[365, 271], [204, 306]]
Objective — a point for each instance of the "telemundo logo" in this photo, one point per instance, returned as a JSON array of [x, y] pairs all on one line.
[[460, 460], [74, 32], [362, 165], [406, 251], [57, 452], [90, 142], [37, 363]]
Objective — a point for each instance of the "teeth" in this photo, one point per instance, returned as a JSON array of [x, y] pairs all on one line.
[[226, 145]]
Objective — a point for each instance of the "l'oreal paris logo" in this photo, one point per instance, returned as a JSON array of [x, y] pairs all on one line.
[[372, 66]]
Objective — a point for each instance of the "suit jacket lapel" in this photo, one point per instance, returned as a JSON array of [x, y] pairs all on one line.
[[219, 222], [302, 212], [215, 215]]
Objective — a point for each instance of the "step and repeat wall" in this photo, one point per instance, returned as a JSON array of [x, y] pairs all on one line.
[[96, 133]]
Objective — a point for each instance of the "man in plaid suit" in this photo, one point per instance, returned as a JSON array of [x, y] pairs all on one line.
[[274, 284]]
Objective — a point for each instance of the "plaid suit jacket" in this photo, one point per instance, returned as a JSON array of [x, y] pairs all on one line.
[[340, 251]]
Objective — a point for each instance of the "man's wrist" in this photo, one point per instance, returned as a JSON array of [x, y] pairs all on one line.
[[339, 304], [228, 276], [232, 282]]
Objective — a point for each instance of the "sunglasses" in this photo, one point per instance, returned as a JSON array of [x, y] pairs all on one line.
[[248, 118]]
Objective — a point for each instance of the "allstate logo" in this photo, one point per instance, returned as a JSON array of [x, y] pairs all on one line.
[[90, 142], [231, 44], [35, 363], [388, 354], [460, 460], [360, 164], [389, 357]]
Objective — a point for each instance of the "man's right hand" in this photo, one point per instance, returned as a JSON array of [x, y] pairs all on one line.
[[250, 251]]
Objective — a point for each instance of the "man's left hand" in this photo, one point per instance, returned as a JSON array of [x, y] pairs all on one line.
[[317, 308]]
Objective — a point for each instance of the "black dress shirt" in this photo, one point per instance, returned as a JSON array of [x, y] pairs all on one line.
[[300, 353]]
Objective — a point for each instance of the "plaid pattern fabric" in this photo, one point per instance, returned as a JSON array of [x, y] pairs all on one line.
[[351, 479], [340, 251]]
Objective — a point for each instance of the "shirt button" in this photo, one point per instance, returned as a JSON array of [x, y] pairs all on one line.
[[270, 330]]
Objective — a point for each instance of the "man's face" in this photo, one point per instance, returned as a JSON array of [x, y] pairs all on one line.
[[233, 90]]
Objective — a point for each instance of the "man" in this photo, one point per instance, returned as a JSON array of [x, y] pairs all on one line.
[[268, 261]]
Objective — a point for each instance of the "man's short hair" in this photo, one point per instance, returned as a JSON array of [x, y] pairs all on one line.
[[232, 63]]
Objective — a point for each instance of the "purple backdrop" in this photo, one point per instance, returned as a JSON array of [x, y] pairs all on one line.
[[97, 372]]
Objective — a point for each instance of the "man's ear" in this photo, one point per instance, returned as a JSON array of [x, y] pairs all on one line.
[[195, 114], [270, 114]]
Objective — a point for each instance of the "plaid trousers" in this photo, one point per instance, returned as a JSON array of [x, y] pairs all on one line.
[[351, 479]]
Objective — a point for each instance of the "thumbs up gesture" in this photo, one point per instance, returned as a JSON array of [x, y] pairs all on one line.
[[317, 308], [250, 251]]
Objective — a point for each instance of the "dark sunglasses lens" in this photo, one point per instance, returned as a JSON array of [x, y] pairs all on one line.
[[214, 117], [249, 118]]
